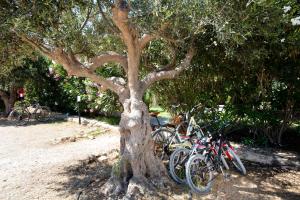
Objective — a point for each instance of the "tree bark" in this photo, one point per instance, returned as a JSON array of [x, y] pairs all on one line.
[[9, 99], [139, 170], [138, 148], [5, 98], [12, 99]]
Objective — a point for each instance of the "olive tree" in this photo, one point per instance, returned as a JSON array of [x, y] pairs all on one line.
[[84, 36]]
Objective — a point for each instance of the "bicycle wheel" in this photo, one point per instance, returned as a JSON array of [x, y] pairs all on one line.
[[224, 162], [42, 114], [177, 163], [19, 117], [163, 139], [236, 161], [199, 175]]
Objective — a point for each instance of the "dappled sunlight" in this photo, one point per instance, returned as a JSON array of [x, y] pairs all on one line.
[[260, 183]]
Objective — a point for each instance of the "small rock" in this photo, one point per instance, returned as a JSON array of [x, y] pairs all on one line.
[[91, 137], [102, 158], [78, 136], [85, 122]]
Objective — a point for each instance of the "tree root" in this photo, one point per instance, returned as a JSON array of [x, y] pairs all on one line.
[[136, 188], [113, 187]]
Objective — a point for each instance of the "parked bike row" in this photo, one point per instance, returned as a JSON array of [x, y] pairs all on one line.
[[24, 113], [196, 153]]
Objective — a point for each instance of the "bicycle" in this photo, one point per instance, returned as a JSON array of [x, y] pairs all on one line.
[[180, 156], [200, 167], [166, 136], [22, 114]]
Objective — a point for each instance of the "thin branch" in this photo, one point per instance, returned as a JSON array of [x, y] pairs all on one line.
[[111, 26], [157, 76], [40, 47], [86, 20]]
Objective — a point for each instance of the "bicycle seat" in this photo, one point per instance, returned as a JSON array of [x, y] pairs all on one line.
[[154, 114]]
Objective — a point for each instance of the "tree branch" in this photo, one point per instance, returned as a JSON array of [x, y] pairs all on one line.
[[44, 50], [146, 39], [86, 20], [111, 26], [170, 74], [106, 58], [120, 17], [73, 66], [172, 64], [130, 37]]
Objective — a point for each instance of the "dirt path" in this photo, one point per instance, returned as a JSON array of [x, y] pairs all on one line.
[[31, 165]]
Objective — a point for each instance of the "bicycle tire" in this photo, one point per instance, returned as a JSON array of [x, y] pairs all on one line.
[[177, 167], [237, 162], [224, 162], [19, 117], [163, 139], [191, 178]]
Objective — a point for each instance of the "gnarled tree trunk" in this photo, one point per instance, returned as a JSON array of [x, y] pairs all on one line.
[[138, 165]]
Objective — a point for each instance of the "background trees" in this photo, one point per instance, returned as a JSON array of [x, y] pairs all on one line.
[[256, 78]]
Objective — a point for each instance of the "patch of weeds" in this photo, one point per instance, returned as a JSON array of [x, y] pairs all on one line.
[[248, 141], [261, 141], [96, 132], [110, 120], [116, 168]]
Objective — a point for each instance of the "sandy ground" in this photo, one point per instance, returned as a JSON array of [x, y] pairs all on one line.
[[32, 167]]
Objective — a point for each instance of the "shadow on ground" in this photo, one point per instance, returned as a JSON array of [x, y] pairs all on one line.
[[261, 182], [86, 178]]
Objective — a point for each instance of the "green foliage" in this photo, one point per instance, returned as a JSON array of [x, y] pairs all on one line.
[[116, 169], [252, 68], [110, 120], [260, 141], [59, 92], [248, 141]]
